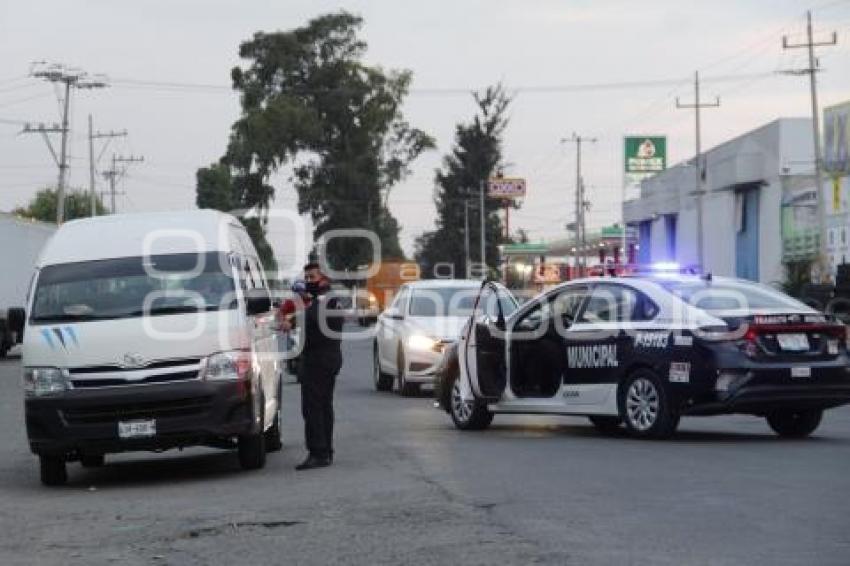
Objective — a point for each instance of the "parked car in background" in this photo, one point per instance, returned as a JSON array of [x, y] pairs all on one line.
[[422, 321]]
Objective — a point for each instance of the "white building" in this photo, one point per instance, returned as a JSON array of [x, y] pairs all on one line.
[[746, 181]]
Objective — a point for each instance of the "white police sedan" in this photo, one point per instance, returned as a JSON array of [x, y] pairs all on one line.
[[647, 350]]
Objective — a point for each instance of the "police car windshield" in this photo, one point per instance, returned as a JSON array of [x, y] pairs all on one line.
[[719, 296]]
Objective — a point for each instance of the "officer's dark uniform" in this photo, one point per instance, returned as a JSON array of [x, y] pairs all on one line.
[[321, 361]]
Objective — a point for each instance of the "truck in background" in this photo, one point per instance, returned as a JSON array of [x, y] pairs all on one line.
[[21, 242], [380, 289]]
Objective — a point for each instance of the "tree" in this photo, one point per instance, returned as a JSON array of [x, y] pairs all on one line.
[[43, 206], [309, 103], [477, 154]]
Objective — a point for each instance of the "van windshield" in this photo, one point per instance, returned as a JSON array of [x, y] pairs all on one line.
[[133, 286]]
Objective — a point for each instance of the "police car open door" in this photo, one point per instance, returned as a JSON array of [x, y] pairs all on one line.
[[485, 344]]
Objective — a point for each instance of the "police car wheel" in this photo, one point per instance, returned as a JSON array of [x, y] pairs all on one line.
[[645, 408], [795, 424], [608, 425], [468, 415], [53, 470], [383, 381]]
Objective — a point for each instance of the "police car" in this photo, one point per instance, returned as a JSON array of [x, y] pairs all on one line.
[[646, 350]]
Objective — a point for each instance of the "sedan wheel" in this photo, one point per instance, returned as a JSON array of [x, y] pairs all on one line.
[[644, 406], [383, 381]]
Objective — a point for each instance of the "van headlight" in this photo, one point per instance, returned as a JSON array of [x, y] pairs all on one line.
[[40, 382], [421, 342], [227, 366]]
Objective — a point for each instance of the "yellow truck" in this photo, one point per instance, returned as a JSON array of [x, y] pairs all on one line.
[[381, 287]]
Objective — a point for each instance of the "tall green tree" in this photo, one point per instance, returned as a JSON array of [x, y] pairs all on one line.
[[311, 105], [43, 206], [476, 155]]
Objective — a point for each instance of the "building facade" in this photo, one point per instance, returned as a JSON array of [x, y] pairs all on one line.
[[748, 183]]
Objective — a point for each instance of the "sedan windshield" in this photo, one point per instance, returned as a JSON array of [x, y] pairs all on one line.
[[719, 296], [134, 286], [443, 301]]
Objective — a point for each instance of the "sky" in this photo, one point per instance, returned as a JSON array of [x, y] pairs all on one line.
[[602, 69]]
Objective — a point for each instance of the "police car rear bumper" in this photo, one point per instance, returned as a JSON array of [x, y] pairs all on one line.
[[761, 391]]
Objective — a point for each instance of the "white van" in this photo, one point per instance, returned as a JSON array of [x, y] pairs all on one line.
[[149, 332]]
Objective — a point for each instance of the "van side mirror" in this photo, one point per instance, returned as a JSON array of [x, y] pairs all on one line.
[[17, 320], [257, 301]]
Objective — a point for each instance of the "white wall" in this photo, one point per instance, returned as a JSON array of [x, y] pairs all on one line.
[[686, 237], [770, 232], [20, 245], [719, 233]]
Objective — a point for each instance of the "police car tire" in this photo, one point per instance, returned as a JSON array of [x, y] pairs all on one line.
[[478, 418], [53, 470], [795, 424], [383, 380], [252, 447], [666, 420], [606, 424]]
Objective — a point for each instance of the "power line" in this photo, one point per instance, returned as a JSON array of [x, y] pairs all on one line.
[[447, 91]]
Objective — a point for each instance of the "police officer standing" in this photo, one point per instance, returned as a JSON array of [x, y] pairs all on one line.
[[320, 364]]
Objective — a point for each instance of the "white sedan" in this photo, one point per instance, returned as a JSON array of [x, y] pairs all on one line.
[[412, 333]]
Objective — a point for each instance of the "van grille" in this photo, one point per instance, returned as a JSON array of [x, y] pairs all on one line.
[[162, 371], [100, 414]]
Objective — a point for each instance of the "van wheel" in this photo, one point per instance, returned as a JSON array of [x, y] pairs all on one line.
[[794, 424], [468, 415], [53, 470], [383, 380], [405, 388], [274, 440], [252, 447], [645, 408], [608, 425], [92, 460]]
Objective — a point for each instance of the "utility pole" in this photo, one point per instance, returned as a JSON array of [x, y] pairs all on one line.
[[812, 69], [483, 233], [698, 169], [579, 221], [113, 173], [92, 161], [71, 78]]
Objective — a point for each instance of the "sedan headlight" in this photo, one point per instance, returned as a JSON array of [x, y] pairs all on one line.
[[421, 342], [223, 366], [39, 382]]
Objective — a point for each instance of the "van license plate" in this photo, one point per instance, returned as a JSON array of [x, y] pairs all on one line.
[[136, 429], [793, 342]]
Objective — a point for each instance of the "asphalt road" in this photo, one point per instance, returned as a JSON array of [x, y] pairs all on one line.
[[407, 488]]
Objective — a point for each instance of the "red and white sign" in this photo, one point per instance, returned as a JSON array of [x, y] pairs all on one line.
[[506, 187]]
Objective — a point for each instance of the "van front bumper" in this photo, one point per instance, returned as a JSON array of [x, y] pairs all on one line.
[[191, 413]]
